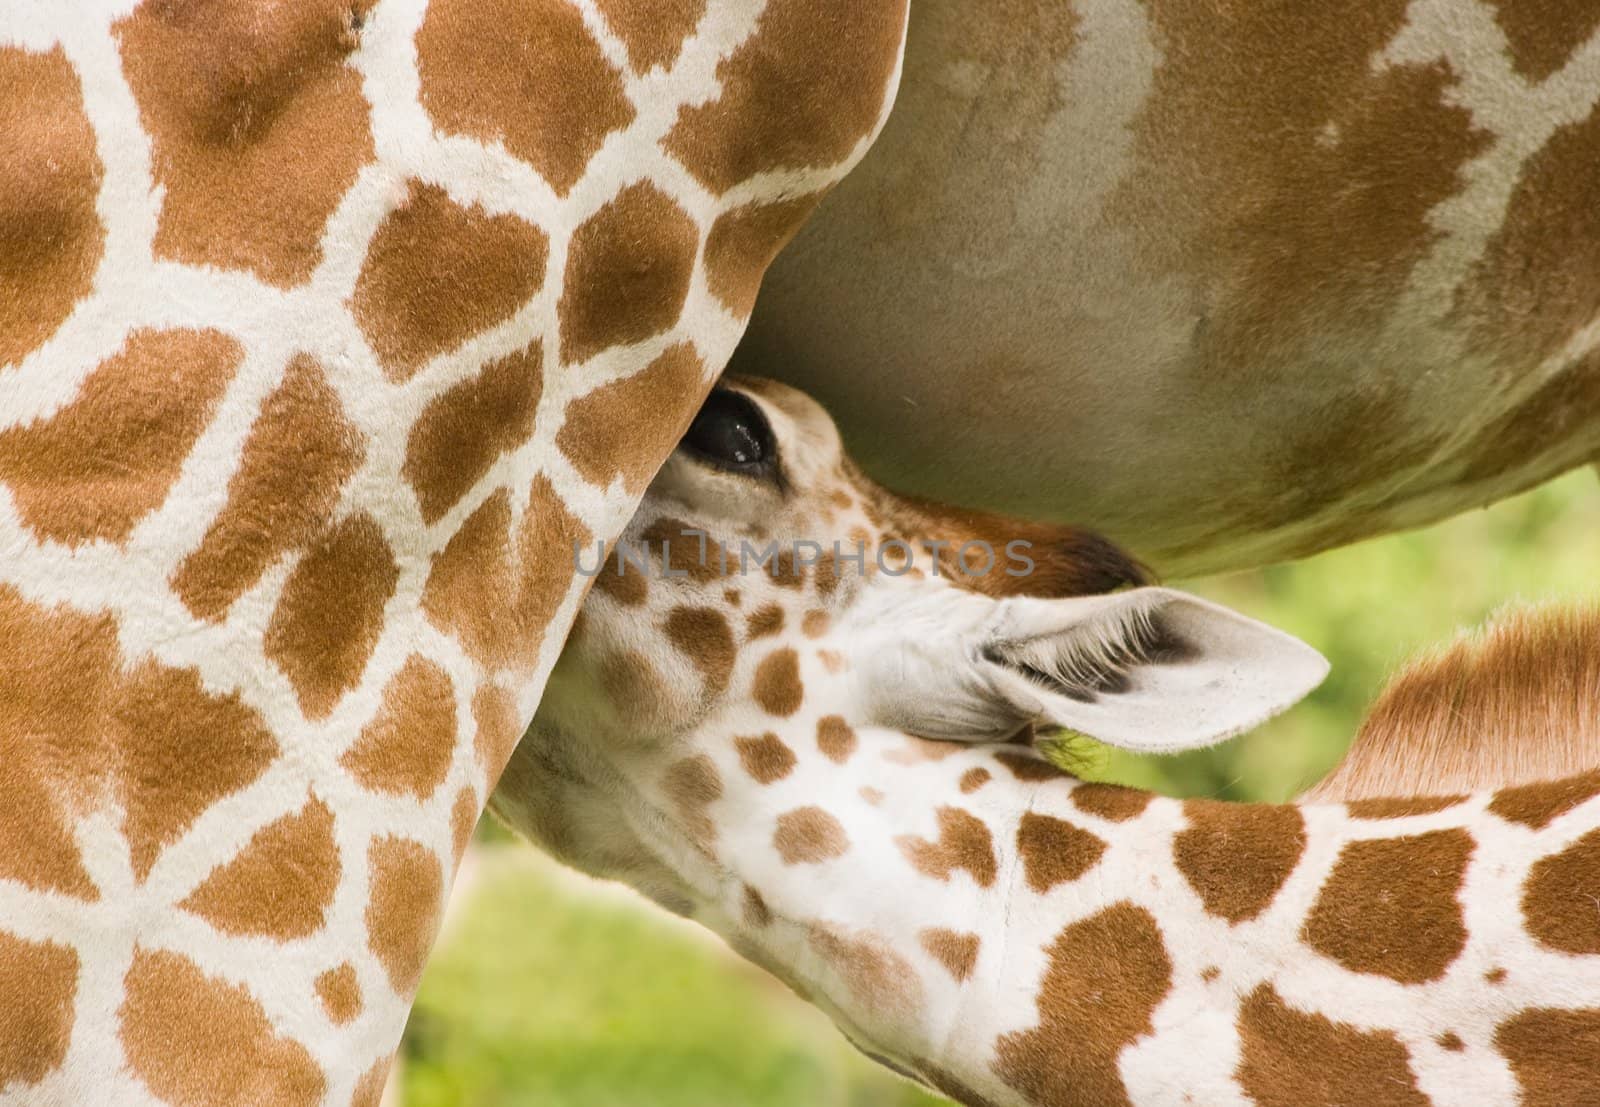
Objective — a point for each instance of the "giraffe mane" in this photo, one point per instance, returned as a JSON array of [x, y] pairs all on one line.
[[1515, 702]]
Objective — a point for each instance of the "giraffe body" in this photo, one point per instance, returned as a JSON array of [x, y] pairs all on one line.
[[320, 323], [742, 747], [1250, 280]]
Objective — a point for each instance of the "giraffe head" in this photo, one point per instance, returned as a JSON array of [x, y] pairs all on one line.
[[751, 748], [770, 603]]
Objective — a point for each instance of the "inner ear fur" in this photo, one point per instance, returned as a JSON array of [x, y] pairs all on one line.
[[1095, 658]]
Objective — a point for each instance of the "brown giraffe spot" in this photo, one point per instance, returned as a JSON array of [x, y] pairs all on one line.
[[57, 671], [405, 749], [40, 983], [973, 779], [1495, 976], [165, 730], [468, 581], [686, 552], [1027, 767], [404, 903], [802, 92], [809, 835], [827, 582], [756, 912], [1293, 1059], [786, 570], [833, 661], [497, 610], [495, 716], [764, 621], [1110, 801], [1236, 855], [258, 127], [835, 738], [330, 615], [1450, 1041], [871, 795], [1561, 900], [1210, 973], [1399, 806], [1555, 1055], [108, 458], [524, 73], [964, 843], [1390, 907], [652, 30], [628, 427], [622, 580], [369, 1089], [693, 785], [280, 885], [298, 455], [162, 730], [51, 239], [766, 758], [461, 433], [1537, 805], [816, 623], [777, 683], [463, 818], [731, 597], [196, 1039], [1054, 851], [1543, 37], [340, 993], [955, 950], [1347, 160], [879, 979], [148, 736], [703, 635], [437, 273], [1539, 279], [628, 272], [743, 242], [1106, 976]]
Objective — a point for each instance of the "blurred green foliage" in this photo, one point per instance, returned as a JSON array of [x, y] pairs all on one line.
[[547, 992]]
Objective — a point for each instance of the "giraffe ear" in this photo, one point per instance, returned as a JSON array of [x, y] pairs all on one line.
[[1150, 670]]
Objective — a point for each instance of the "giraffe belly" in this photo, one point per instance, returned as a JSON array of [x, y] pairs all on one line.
[[1226, 293]]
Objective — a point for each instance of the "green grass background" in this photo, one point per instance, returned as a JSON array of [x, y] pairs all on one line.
[[549, 991]]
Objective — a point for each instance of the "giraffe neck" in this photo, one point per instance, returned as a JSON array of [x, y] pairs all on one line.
[[1009, 935], [321, 348]]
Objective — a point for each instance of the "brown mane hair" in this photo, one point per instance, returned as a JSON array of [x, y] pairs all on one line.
[[1513, 703]]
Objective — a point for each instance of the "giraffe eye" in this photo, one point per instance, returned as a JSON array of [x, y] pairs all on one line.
[[731, 433]]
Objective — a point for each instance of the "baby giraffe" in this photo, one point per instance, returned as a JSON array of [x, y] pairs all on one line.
[[749, 744]]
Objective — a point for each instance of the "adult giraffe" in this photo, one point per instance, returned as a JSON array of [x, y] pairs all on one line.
[[326, 328], [1248, 279]]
